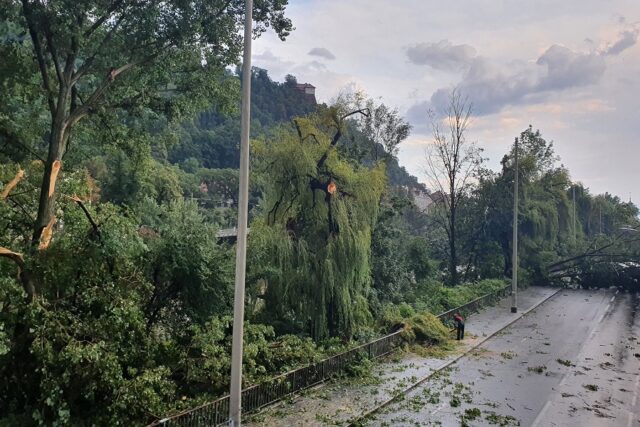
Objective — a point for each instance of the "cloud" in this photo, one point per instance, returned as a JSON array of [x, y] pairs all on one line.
[[491, 87], [276, 66], [442, 55], [566, 69], [327, 82], [322, 53], [418, 116], [627, 39]]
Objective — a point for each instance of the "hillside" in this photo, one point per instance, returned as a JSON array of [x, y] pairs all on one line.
[[211, 140]]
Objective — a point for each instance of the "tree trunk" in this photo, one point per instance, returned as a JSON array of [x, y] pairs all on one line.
[[57, 141], [453, 255]]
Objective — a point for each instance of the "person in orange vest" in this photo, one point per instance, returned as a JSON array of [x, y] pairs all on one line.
[[459, 326]]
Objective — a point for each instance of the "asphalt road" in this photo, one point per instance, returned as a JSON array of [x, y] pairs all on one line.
[[574, 361]]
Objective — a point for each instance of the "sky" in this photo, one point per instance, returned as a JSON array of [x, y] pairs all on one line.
[[569, 68]]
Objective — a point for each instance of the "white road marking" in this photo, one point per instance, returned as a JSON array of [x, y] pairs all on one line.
[[606, 310], [541, 413], [633, 402]]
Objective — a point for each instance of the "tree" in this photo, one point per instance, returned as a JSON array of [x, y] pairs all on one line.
[[451, 163], [382, 128], [120, 58], [385, 128], [318, 215]]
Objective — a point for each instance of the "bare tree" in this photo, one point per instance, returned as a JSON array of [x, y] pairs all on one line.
[[451, 163]]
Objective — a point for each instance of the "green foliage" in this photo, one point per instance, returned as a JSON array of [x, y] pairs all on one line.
[[85, 340], [131, 318], [318, 239], [192, 276], [437, 298], [400, 259], [426, 328], [212, 138]]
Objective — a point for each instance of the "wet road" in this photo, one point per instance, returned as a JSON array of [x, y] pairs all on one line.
[[574, 361]]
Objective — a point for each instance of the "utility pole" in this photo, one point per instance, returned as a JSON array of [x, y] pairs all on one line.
[[600, 206], [235, 403], [514, 258], [574, 213]]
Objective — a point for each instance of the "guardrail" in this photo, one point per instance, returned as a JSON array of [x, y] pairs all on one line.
[[257, 396], [473, 306]]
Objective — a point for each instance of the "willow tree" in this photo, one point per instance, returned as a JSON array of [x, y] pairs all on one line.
[[545, 210], [318, 215]]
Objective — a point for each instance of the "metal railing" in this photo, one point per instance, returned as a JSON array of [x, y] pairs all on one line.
[[257, 396], [476, 304]]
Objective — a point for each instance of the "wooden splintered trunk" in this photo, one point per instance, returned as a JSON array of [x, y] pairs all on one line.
[[52, 165]]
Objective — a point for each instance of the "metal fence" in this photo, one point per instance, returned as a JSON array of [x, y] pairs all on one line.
[[257, 396], [476, 304]]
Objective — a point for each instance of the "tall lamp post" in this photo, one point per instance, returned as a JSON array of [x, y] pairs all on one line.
[[514, 258], [235, 403]]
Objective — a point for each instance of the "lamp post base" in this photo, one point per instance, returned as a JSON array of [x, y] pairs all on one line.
[[514, 309]]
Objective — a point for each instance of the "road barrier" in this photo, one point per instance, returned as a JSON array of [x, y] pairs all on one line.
[[260, 395]]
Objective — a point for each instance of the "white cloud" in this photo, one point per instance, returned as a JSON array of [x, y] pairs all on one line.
[[441, 55], [322, 53], [491, 86]]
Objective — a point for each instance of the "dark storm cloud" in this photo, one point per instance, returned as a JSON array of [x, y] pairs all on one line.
[[322, 52], [442, 55]]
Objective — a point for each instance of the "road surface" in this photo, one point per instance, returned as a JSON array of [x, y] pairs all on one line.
[[574, 361]]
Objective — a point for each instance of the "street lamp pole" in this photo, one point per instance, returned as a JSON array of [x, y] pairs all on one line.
[[235, 403], [514, 258]]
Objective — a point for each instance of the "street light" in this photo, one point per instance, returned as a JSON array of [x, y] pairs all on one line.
[[235, 400]]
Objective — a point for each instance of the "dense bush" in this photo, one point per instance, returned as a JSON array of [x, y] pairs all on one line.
[[438, 298]]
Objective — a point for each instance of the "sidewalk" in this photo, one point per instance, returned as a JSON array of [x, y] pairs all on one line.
[[339, 402]]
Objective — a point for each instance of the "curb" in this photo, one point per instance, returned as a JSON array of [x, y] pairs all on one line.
[[354, 421]]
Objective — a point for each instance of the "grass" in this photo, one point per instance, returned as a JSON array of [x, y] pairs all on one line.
[[501, 420], [469, 414], [537, 369], [565, 362], [439, 351]]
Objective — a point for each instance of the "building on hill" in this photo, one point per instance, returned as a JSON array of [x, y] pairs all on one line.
[[421, 199], [426, 201], [309, 91]]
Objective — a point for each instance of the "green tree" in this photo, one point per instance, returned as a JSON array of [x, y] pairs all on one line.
[[319, 213], [117, 57]]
